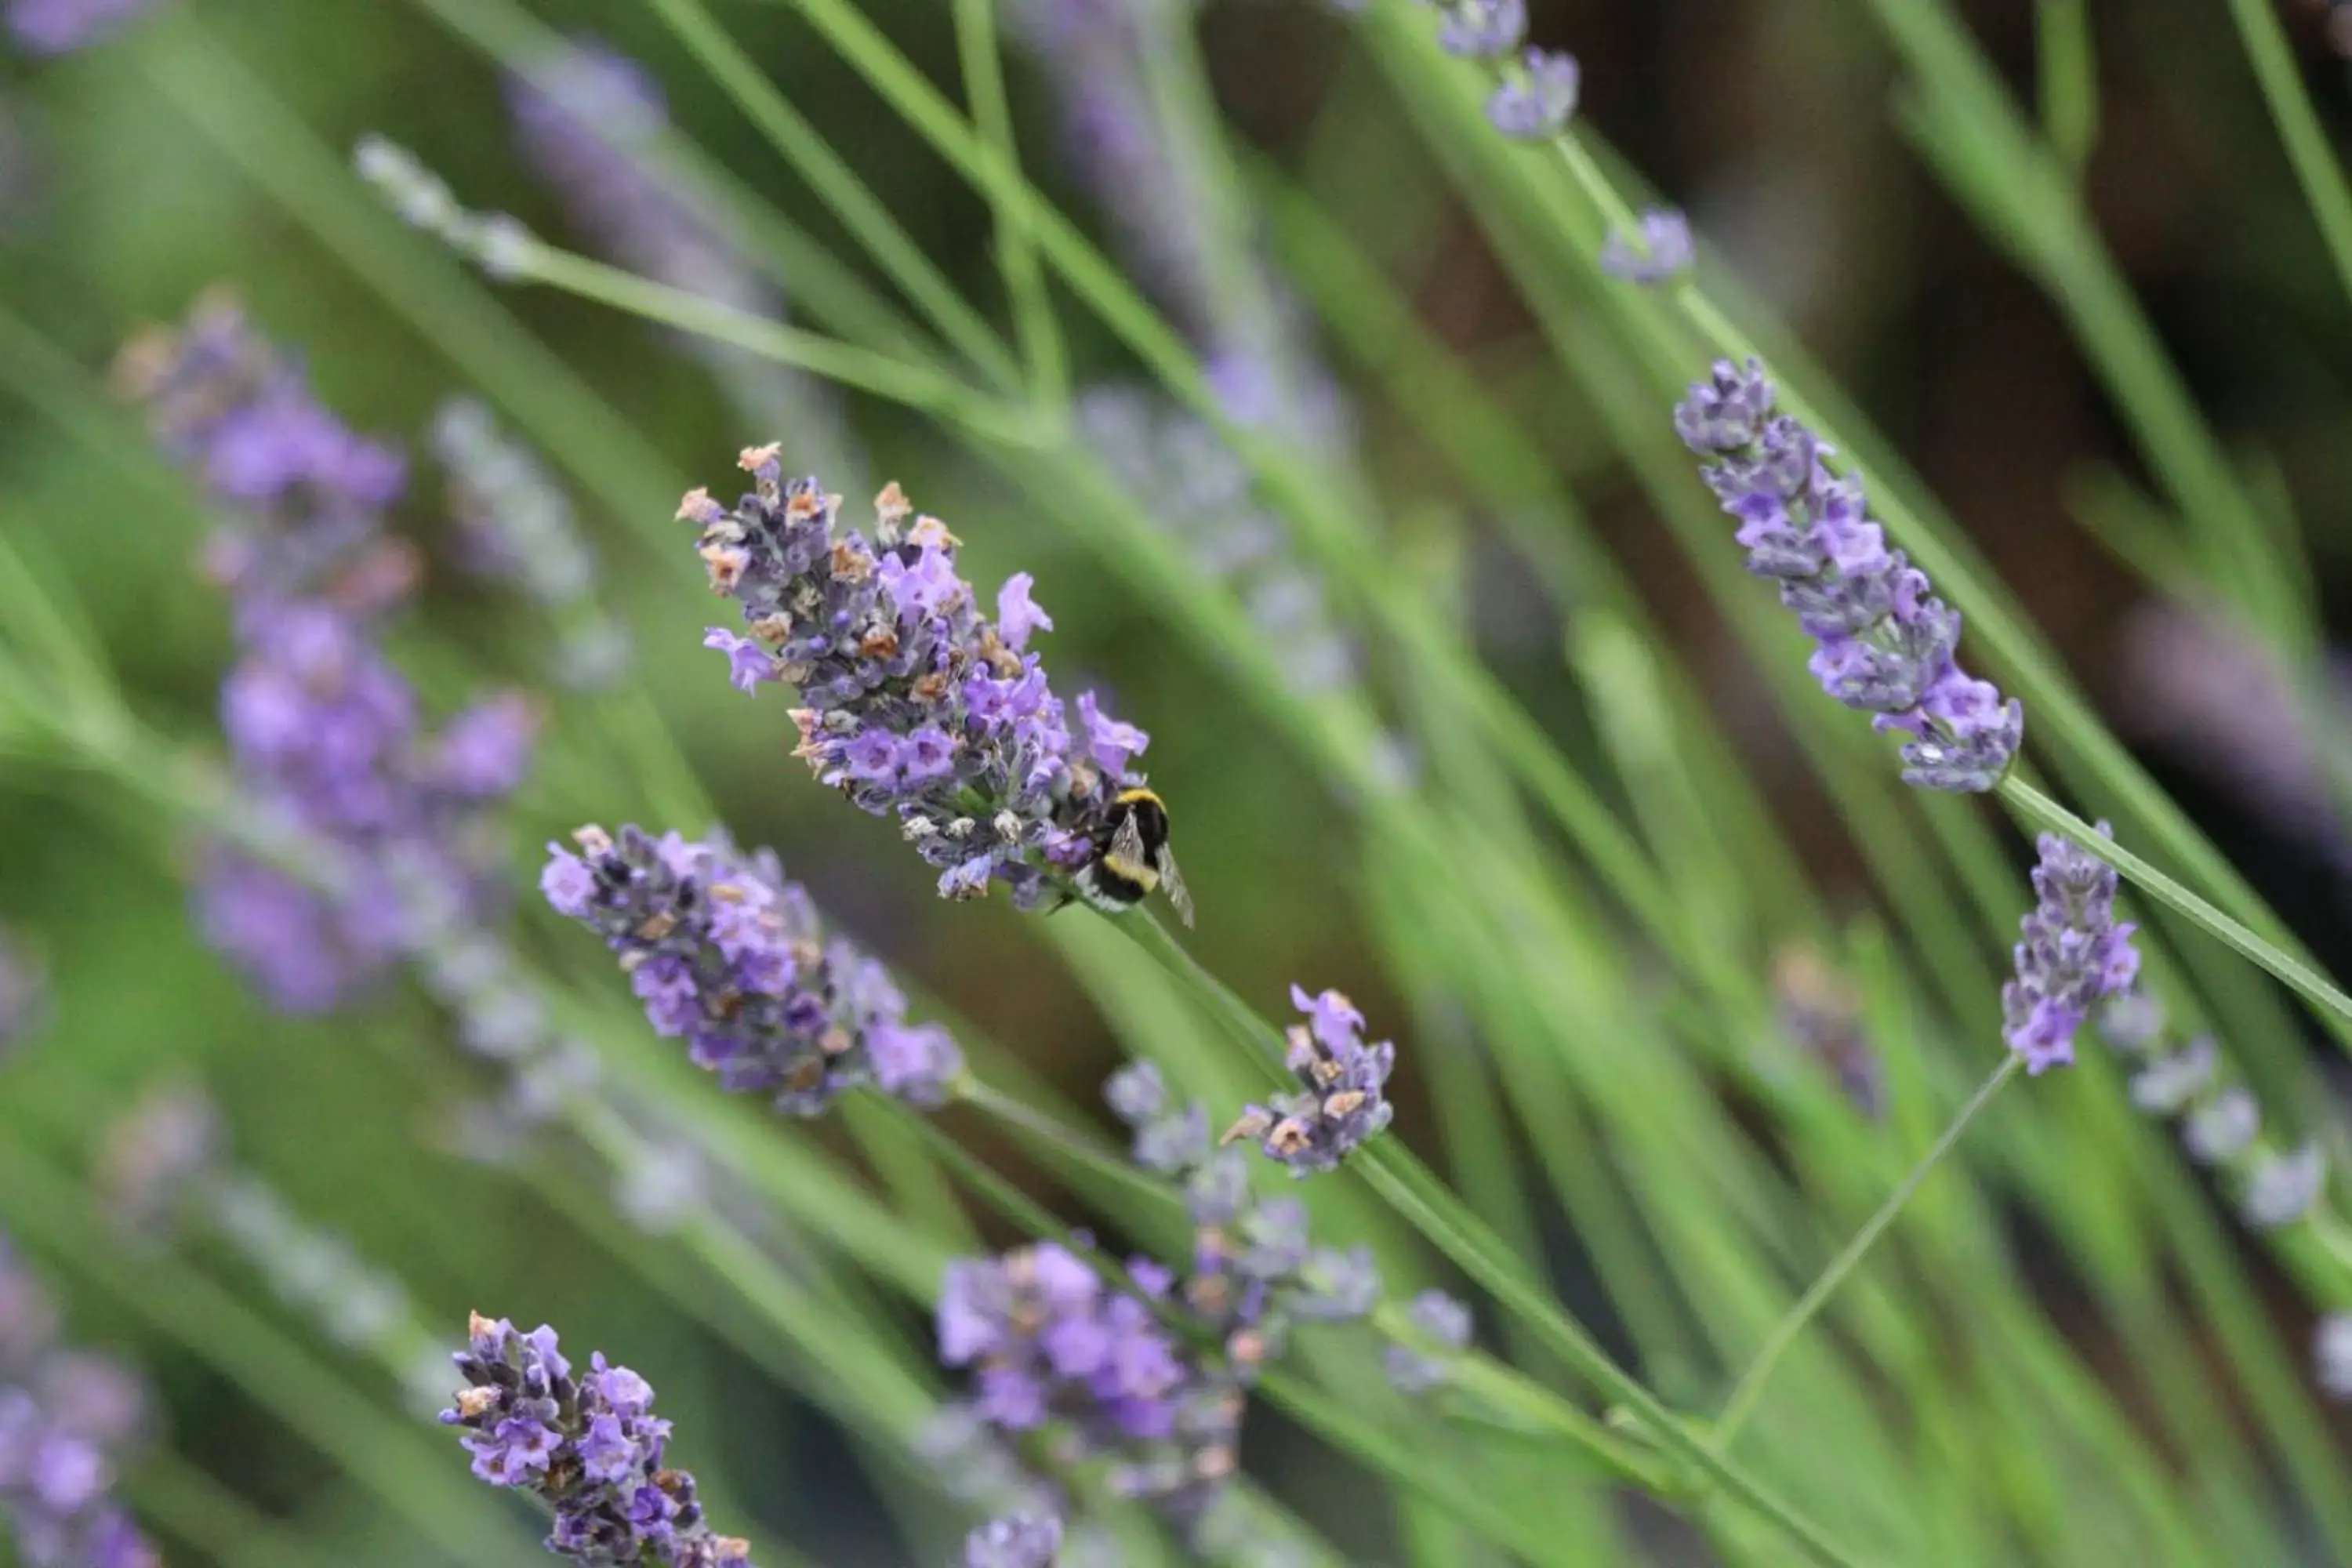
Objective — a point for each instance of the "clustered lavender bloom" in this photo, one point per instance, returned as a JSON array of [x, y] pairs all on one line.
[[1015, 1541], [65, 1420], [1339, 1103], [590, 1448], [1660, 251], [588, 119], [517, 525], [1887, 642], [2219, 1121], [61, 27], [919, 705], [2072, 953], [730, 955], [1125, 1375], [325, 733]]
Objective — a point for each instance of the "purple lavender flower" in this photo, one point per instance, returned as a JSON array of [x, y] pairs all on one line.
[[590, 1448], [1339, 1103], [1446, 1322], [1482, 29], [1660, 250], [1015, 1541], [919, 705], [327, 735], [2073, 953], [65, 1419], [1536, 103], [2331, 1351], [728, 956], [61, 27], [1886, 643]]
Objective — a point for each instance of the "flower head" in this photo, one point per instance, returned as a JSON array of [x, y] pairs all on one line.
[[589, 1445], [918, 704], [2072, 954], [1886, 643], [61, 27], [1339, 1101], [1015, 1541], [1446, 1322], [729, 956]]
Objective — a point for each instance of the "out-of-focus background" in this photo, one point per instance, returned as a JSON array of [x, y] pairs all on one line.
[[123, 195]]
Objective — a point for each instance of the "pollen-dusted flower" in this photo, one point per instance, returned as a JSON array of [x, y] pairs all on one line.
[[1446, 1322], [732, 957], [2072, 954], [1661, 249], [1015, 1541], [66, 1418], [590, 1448], [918, 704], [1340, 1102], [1535, 103], [1887, 642]]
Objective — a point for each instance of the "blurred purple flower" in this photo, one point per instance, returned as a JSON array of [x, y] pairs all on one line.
[[1538, 102], [1661, 249], [728, 954], [1446, 1321], [1015, 1541]]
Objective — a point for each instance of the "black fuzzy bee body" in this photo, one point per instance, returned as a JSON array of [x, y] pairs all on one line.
[[1132, 859]]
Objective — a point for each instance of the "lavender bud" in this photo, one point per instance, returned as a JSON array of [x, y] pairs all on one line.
[[1538, 104], [2168, 1085], [1482, 29], [1446, 1322], [2073, 953], [61, 27], [732, 957], [2331, 1347], [2220, 1129], [2281, 1188], [1660, 251]]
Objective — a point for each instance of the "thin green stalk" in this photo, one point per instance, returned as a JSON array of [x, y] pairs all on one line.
[[2040, 810], [866, 216], [915, 385], [2318, 168], [1751, 1387], [2067, 71], [1017, 246]]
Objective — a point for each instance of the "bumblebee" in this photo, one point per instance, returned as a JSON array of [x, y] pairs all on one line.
[[1133, 857]]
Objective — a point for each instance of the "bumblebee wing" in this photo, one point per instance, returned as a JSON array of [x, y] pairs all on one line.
[[1126, 843], [1171, 883]]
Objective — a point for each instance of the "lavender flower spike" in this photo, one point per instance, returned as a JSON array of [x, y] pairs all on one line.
[[729, 955], [1446, 1321], [591, 1447], [1339, 1104], [2073, 953], [918, 704], [1886, 641], [1660, 250]]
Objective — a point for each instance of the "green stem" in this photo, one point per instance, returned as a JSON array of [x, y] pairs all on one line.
[[917, 386], [1016, 243], [2316, 167], [1751, 1387], [2069, 80], [2313, 986]]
